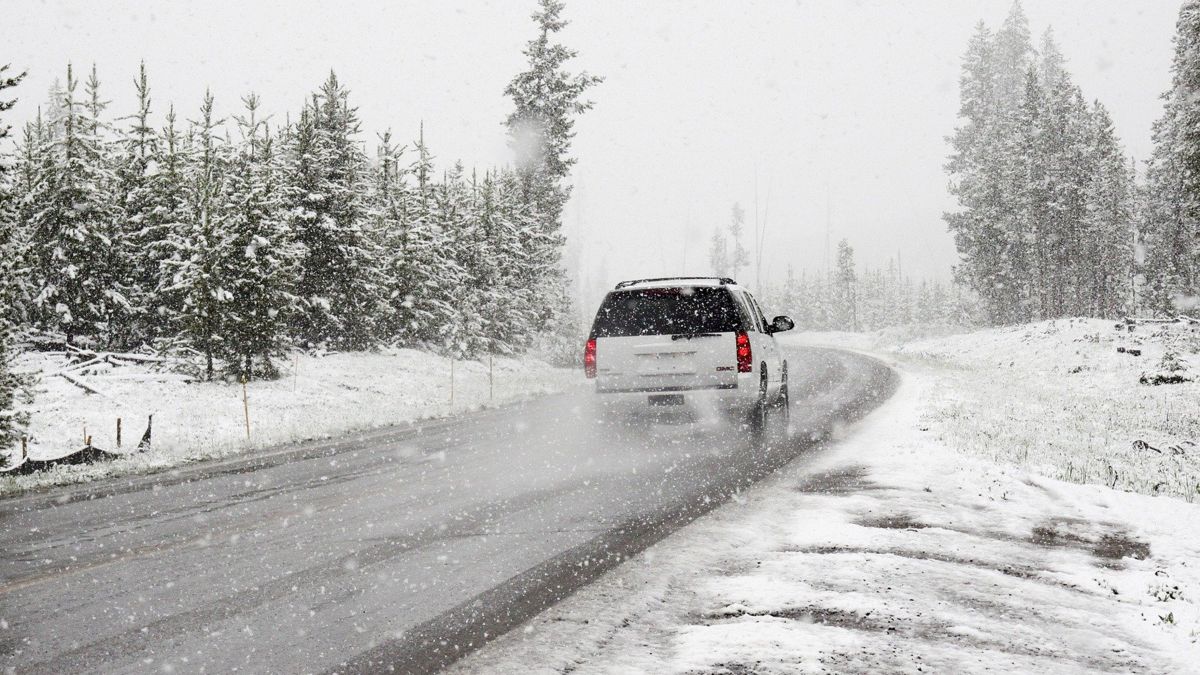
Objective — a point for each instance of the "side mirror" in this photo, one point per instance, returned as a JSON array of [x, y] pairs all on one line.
[[781, 323]]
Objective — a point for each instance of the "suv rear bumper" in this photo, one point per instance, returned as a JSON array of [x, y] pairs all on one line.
[[704, 400], [666, 389]]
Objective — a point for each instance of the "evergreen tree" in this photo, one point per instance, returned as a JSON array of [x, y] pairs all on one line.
[[975, 177], [847, 296], [75, 258], [144, 232], [1107, 238], [1030, 235], [199, 245], [739, 257], [389, 211], [546, 100], [718, 254], [10, 237], [30, 166], [424, 266], [169, 222], [1014, 54], [259, 271], [451, 220], [12, 421], [1171, 215], [512, 236], [340, 282]]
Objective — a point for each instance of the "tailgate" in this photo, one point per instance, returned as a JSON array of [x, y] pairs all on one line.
[[666, 362]]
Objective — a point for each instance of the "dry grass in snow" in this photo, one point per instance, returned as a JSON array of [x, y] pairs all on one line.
[[1059, 398]]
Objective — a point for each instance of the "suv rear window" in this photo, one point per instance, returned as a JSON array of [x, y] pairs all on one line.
[[667, 311]]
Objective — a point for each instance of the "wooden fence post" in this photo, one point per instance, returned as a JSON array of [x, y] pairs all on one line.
[[451, 382], [246, 406], [491, 385], [118, 433]]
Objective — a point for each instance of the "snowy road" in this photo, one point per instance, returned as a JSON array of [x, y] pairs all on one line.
[[401, 547]]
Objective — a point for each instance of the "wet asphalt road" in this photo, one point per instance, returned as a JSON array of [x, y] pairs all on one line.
[[393, 551]]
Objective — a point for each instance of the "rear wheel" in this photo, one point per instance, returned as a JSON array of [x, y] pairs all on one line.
[[758, 413], [785, 397]]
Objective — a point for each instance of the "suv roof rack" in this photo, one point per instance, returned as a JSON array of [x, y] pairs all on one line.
[[724, 281]]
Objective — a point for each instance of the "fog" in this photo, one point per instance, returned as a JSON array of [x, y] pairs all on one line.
[[826, 118]]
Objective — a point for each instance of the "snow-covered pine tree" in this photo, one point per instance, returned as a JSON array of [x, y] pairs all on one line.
[[423, 266], [119, 327], [171, 215], [144, 231], [739, 257], [486, 254], [1068, 168], [1013, 53], [10, 237], [71, 229], [1031, 229], [30, 167], [546, 101], [12, 421], [1107, 242], [974, 176], [340, 282], [195, 294], [261, 266], [522, 245], [1170, 220], [1006, 167], [451, 218], [390, 203], [490, 274], [847, 292], [718, 254]]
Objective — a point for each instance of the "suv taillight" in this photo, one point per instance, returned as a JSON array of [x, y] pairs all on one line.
[[744, 358], [589, 358]]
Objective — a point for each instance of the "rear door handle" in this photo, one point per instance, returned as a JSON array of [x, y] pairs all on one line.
[[689, 336]]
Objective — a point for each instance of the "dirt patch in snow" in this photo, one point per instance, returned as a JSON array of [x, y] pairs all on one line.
[[1106, 541], [894, 521], [844, 480], [1025, 572], [826, 616]]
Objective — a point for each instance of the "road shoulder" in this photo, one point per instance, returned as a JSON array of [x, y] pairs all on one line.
[[890, 551]]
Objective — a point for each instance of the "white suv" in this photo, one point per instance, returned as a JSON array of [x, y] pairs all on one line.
[[687, 341]]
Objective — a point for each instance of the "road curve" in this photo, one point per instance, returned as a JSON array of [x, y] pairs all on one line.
[[394, 551]]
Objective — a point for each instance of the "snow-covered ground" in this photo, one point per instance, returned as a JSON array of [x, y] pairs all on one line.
[[920, 542], [317, 397], [1058, 397]]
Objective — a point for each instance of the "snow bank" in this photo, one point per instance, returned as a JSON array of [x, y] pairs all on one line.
[[318, 397], [892, 551], [1063, 398]]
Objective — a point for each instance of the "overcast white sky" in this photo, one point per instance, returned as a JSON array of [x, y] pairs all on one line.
[[833, 104]]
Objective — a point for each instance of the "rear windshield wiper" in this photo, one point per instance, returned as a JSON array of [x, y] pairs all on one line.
[[689, 336]]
